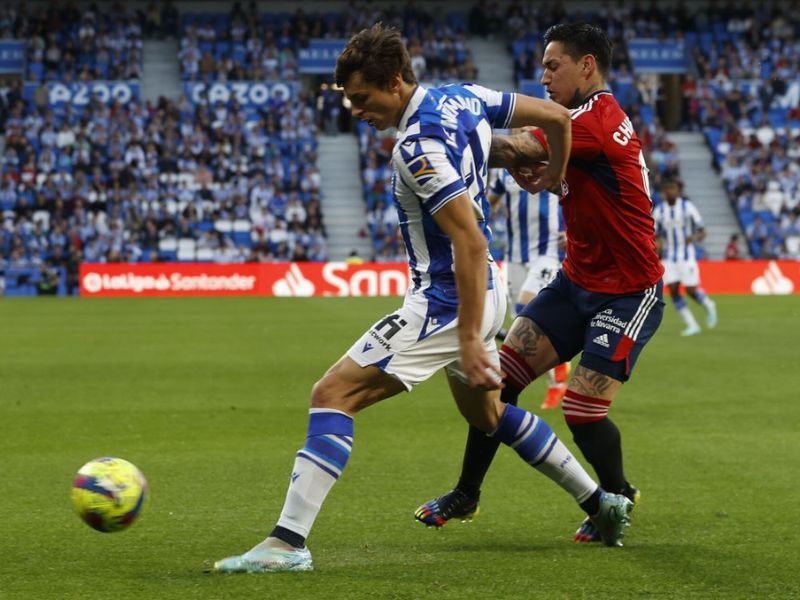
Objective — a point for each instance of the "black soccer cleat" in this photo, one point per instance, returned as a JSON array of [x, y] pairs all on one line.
[[455, 504]]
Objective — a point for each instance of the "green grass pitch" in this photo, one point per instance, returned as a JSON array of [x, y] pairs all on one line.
[[209, 398]]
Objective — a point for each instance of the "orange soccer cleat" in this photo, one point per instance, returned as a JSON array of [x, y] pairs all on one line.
[[562, 372], [555, 394]]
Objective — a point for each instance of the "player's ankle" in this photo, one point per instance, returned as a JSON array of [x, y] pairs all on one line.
[[470, 490]]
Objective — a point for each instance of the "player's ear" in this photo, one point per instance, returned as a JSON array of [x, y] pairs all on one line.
[[395, 83], [588, 64]]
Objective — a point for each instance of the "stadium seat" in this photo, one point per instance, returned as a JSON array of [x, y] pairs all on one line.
[[204, 254], [186, 249], [223, 225]]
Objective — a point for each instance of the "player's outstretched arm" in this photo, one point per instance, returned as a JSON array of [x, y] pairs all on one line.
[[556, 123], [457, 220]]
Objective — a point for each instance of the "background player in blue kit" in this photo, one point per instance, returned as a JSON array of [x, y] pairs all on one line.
[[453, 308], [678, 227], [534, 249]]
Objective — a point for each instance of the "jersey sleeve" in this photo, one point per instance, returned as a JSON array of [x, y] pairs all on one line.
[[658, 211], [585, 141], [499, 105], [425, 167], [694, 215]]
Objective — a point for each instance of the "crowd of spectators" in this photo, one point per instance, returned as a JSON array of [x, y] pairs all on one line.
[[375, 149], [67, 44], [171, 181], [746, 65], [248, 45]]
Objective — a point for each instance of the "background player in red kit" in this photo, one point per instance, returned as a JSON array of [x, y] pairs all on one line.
[[607, 300]]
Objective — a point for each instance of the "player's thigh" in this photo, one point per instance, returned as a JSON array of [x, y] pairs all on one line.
[[493, 317], [550, 329], [349, 387], [672, 272], [516, 273], [619, 330], [418, 339], [690, 273]]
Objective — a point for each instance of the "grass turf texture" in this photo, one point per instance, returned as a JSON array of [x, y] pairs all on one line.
[[209, 396]]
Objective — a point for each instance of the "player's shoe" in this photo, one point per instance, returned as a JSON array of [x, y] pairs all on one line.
[[561, 372], [711, 316], [691, 330], [455, 504], [612, 518], [555, 394], [588, 531], [266, 559]]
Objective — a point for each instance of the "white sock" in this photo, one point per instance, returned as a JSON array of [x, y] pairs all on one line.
[[317, 466]]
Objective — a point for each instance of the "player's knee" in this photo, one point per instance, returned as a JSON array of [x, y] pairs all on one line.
[[324, 393], [580, 409], [485, 417]]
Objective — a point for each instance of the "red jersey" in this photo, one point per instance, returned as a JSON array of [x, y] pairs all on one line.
[[611, 242]]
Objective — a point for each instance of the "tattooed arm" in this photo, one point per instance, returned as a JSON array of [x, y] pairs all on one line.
[[514, 151]]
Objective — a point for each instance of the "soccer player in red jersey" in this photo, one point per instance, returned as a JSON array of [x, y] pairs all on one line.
[[607, 300]]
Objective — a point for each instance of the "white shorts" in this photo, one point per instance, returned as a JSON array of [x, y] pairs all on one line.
[[414, 342], [682, 271], [531, 277]]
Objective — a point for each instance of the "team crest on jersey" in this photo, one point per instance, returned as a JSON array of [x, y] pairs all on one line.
[[417, 162]]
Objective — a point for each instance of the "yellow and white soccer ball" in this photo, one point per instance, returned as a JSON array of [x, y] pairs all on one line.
[[109, 493]]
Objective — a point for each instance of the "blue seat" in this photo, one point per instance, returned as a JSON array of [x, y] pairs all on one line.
[[778, 117], [35, 71], [242, 238]]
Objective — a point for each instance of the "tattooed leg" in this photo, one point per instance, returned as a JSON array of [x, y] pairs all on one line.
[[527, 340], [585, 407]]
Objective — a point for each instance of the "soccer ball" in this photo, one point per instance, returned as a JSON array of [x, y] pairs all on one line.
[[109, 494]]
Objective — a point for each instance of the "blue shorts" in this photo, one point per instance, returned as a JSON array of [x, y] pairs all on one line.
[[610, 329]]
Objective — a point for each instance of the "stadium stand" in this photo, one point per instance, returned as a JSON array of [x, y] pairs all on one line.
[[210, 179], [65, 44], [748, 62], [263, 47]]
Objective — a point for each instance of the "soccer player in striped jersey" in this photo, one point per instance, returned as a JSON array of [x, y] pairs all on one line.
[[678, 227], [607, 300], [453, 308], [533, 255]]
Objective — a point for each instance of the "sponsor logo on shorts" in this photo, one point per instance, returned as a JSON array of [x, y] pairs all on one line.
[[601, 340], [607, 320], [367, 347]]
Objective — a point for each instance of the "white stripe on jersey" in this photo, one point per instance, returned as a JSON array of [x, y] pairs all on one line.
[[577, 112], [675, 224]]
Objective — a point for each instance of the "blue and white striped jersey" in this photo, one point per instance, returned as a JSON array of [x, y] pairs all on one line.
[[534, 222], [441, 152], [675, 223]]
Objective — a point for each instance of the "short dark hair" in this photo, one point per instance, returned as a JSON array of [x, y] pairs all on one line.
[[580, 39], [378, 53]]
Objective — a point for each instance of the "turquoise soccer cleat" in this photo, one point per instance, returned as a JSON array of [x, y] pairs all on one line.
[[588, 531], [266, 559]]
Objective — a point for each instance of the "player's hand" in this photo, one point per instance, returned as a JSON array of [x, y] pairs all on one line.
[[537, 177], [481, 372]]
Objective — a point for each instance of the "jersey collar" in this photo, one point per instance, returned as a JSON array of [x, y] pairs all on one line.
[[593, 95], [411, 107]]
